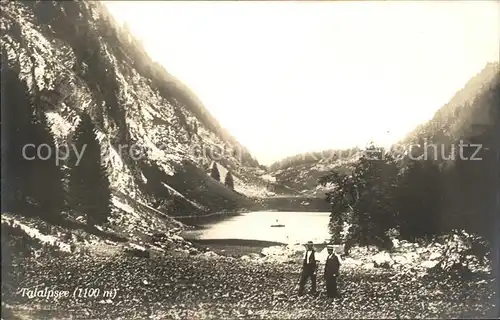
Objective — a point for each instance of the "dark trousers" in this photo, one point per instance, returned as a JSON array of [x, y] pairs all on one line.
[[306, 274], [331, 287]]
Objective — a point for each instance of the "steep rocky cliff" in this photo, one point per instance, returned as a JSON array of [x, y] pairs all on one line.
[[157, 140]]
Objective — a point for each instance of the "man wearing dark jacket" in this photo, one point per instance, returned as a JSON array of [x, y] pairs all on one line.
[[332, 267], [308, 269]]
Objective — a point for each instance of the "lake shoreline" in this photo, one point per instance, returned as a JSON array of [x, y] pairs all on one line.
[[283, 203], [235, 248], [220, 286], [239, 248], [237, 242], [199, 222], [241, 232]]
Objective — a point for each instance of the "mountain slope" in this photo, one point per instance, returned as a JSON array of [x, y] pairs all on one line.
[[469, 113], [300, 173], [157, 140], [466, 132]]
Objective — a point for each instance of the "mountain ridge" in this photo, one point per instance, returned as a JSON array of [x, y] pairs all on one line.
[[157, 139], [452, 120]]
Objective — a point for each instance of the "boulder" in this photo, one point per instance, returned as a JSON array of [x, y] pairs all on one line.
[[395, 243], [405, 244], [349, 262], [175, 230], [282, 253], [410, 256], [421, 250], [254, 256], [182, 250], [382, 259], [400, 259], [369, 266], [177, 238], [210, 254], [435, 255], [137, 252], [428, 264]]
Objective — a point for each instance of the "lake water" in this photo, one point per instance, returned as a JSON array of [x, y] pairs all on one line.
[[299, 227]]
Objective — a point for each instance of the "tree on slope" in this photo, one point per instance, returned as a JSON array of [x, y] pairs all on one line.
[[215, 172], [17, 114], [46, 174], [364, 197], [31, 181], [342, 197], [89, 184], [418, 200], [376, 173], [228, 181]]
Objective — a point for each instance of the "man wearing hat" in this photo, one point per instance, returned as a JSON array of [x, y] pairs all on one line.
[[308, 269], [332, 266]]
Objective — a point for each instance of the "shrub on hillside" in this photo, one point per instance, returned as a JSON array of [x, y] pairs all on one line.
[[16, 243]]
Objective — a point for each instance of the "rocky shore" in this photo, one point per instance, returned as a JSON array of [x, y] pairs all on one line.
[[189, 283]]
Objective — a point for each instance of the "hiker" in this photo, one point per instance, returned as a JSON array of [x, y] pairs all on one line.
[[308, 269], [332, 266]]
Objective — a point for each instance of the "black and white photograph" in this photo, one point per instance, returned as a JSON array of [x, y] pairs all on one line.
[[250, 159]]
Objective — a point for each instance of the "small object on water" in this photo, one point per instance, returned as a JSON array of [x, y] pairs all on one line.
[[277, 225]]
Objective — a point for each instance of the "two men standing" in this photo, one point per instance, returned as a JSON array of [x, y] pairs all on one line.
[[332, 267], [309, 266]]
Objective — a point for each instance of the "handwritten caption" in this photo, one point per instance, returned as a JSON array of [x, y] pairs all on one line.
[[77, 293]]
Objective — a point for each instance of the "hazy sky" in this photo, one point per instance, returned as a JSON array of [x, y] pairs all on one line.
[[290, 77]]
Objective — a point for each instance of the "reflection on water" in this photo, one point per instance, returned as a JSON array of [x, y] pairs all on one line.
[[299, 227]]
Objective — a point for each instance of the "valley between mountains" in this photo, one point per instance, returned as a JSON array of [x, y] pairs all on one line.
[[71, 76]]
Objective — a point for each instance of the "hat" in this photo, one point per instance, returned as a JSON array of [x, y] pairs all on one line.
[[330, 246], [310, 242]]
